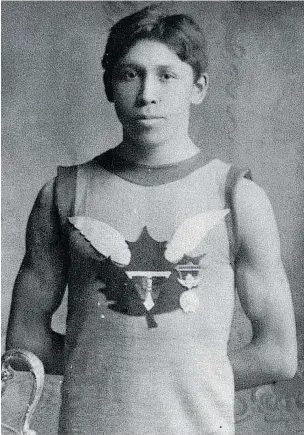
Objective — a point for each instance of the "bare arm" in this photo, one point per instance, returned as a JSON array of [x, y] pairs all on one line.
[[39, 286], [264, 294]]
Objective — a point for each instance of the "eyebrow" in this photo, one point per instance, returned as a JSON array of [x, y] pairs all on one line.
[[138, 65]]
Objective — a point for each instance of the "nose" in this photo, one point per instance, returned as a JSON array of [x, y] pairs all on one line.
[[149, 91]]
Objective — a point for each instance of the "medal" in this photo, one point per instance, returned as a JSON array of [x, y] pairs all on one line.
[[189, 301], [189, 278]]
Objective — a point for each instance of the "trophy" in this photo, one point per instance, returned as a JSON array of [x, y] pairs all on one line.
[[7, 374]]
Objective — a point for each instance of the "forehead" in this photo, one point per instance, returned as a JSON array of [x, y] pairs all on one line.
[[151, 54]]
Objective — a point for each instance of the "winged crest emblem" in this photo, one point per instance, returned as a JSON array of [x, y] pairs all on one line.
[[148, 270], [112, 244]]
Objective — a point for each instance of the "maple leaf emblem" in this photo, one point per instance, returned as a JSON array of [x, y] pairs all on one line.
[[147, 254]]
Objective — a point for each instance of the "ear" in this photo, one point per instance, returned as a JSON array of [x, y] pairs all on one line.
[[200, 89], [108, 87]]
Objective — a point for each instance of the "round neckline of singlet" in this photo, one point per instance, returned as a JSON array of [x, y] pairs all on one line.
[[139, 173]]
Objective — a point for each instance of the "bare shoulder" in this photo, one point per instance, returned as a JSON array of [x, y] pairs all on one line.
[[257, 226], [44, 203], [46, 195], [249, 194]]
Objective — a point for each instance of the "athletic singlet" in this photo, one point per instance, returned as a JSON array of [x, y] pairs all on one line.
[[151, 298]]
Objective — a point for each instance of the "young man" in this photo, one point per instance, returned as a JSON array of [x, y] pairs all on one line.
[[150, 239]]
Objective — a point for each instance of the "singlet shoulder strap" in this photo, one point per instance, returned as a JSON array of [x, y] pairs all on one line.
[[233, 176], [65, 192]]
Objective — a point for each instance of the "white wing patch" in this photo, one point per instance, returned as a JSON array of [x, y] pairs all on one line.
[[104, 238], [191, 232]]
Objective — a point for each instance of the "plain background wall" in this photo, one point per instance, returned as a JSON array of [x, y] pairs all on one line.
[[54, 110]]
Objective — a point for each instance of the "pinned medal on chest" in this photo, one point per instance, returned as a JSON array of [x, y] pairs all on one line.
[[189, 277], [185, 240]]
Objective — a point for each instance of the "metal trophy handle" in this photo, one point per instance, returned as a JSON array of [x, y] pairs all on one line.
[[37, 371]]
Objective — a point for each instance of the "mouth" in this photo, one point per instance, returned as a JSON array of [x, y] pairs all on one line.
[[148, 117], [150, 121]]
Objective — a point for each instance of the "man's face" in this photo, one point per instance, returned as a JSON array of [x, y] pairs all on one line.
[[153, 90]]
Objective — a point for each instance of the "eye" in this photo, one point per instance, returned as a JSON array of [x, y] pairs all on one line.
[[129, 74], [166, 76]]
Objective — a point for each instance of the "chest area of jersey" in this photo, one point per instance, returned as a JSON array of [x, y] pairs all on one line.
[[162, 209], [151, 245]]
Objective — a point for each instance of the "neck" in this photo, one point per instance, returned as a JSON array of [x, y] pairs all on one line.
[[163, 153]]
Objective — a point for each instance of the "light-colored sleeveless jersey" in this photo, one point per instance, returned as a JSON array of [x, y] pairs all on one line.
[[151, 299]]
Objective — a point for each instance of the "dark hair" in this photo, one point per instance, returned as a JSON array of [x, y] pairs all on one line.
[[179, 32]]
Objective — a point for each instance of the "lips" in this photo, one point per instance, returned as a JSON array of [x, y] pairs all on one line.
[[143, 117], [150, 122]]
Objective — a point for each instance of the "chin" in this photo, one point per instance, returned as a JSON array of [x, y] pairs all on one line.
[[150, 138], [150, 141]]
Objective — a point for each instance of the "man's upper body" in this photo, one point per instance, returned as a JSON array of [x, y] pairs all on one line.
[[153, 86]]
